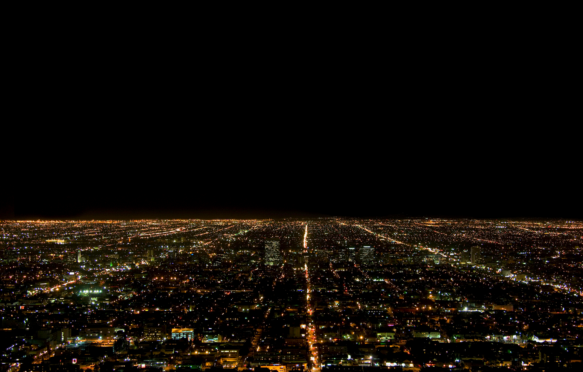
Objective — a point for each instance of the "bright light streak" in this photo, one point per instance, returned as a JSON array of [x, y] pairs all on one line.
[[382, 236], [306, 238]]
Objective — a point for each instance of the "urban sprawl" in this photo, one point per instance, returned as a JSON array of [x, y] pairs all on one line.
[[327, 294]]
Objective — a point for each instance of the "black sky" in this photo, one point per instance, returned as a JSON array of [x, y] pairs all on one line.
[[300, 170], [498, 141]]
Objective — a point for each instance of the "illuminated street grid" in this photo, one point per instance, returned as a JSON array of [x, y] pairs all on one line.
[[198, 294]]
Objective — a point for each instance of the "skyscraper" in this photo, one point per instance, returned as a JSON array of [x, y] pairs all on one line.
[[465, 256], [476, 255], [366, 255], [351, 254], [272, 253], [342, 255]]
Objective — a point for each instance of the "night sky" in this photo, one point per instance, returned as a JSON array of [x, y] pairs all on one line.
[[421, 151], [351, 173], [350, 199]]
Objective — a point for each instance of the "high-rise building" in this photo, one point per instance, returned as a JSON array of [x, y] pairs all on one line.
[[272, 253], [367, 255], [64, 335], [342, 255], [476, 255], [465, 256], [351, 254], [79, 257]]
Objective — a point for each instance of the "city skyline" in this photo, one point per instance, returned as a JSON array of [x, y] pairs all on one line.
[[303, 214]]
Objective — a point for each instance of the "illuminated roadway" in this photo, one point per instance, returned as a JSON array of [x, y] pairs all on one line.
[[382, 236], [306, 239], [436, 251], [312, 341]]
